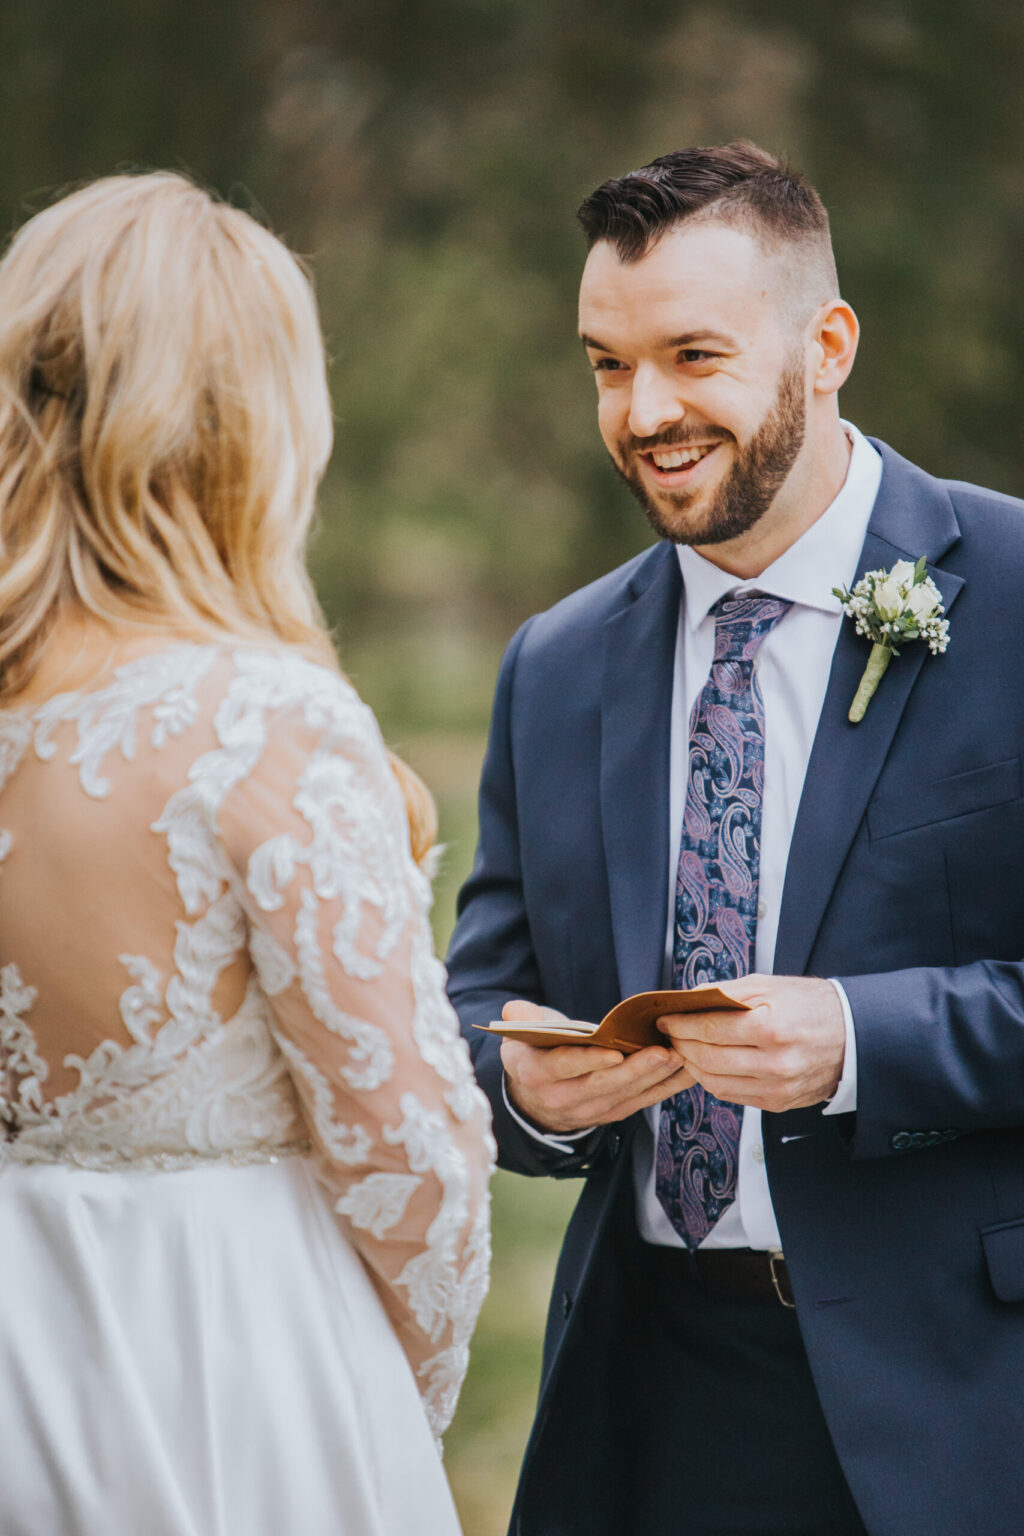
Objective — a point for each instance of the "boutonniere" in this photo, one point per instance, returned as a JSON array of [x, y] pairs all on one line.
[[888, 608]]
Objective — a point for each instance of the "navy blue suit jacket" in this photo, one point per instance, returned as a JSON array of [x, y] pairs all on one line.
[[903, 1225]]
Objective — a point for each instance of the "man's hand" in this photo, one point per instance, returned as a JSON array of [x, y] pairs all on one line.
[[572, 1087], [786, 1052]]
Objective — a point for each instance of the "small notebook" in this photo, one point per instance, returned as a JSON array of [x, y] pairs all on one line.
[[630, 1026]]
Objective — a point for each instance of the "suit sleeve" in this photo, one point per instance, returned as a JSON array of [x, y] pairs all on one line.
[[940, 1052], [491, 960]]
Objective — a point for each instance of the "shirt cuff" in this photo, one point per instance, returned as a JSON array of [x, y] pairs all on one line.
[[844, 1100], [562, 1142]]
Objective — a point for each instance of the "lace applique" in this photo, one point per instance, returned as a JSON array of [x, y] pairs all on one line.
[[447, 1052], [142, 1006], [202, 951], [15, 740], [106, 719], [431, 1277], [23, 1067], [273, 964], [345, 855], [224, 1095], [379, 1201], [349, 1145], [370, 1045], [443, 1374]]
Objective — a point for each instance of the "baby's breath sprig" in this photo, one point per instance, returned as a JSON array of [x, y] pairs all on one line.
[[889, 608]]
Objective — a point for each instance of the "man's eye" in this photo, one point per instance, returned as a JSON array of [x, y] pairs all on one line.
[[608, 365], [695, 355]]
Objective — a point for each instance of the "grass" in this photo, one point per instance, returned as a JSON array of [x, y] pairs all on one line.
[[484, 1446]]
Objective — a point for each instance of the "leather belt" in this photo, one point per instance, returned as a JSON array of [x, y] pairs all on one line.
[[748, 1272]]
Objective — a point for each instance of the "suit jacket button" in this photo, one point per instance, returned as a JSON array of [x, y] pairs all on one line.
[[901, 1141], [566, 1303], [614, 1144]]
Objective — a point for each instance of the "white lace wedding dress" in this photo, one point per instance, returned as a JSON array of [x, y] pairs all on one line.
[[243, 1215]]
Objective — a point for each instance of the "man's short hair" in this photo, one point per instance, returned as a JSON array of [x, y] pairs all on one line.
[[739, 183]]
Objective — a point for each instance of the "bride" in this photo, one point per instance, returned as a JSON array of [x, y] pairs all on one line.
[[243, 1165]]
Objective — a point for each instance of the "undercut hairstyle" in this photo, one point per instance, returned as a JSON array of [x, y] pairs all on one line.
[[738, 183]]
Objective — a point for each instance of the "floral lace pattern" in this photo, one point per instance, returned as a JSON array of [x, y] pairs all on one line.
[[278, 981]]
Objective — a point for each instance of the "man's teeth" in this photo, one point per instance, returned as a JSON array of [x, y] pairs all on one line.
[[680, 456]]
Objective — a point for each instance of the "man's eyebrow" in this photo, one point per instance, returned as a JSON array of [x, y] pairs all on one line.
[[669, 343], [691, 339]]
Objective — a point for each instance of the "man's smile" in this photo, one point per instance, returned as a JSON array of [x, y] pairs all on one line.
[[675, 466]]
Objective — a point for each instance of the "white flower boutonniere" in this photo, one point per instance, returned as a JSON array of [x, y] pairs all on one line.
[[889, 607]]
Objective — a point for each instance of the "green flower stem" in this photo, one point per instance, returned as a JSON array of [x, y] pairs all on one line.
[[873, 674]]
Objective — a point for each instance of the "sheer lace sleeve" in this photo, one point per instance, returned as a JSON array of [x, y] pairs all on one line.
[[316, 833]]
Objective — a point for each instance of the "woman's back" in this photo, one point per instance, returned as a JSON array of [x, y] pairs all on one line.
[[215, 952], [125, 964]]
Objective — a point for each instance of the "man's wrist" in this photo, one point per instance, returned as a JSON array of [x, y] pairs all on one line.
[[558, 1141], [844, 1100]]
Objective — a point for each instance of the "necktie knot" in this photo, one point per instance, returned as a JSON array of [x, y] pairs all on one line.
[[743, 623]]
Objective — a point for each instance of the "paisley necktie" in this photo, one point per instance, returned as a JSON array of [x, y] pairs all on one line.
[[716, 900]]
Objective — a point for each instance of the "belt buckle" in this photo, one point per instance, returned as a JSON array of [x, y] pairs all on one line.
[[774, 1258]]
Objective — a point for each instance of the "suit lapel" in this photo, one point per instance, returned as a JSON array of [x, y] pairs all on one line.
[[913, 515], [636, 709]]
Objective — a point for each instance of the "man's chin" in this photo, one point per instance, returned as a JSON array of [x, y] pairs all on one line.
[[685, 517], [677, 518]]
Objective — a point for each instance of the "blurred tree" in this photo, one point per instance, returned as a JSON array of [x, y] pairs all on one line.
[[430, 157]]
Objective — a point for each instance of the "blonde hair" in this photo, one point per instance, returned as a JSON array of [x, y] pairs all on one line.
[[164, 425]]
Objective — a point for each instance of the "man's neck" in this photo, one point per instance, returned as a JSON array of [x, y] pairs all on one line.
[[810, 489]]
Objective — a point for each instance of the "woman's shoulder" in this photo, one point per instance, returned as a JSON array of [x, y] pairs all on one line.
[[295, 745], [280, 718], [290, 693]]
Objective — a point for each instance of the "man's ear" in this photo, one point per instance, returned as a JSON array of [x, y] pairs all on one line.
[[834, 333]]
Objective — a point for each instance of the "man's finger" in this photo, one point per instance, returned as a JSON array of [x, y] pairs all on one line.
[[678, 1082], [651, 1087], [718, 1026], [733, 1090], [559, 1088], [722, 1060], [633, 1074], [553, 1063], [519, 1011]]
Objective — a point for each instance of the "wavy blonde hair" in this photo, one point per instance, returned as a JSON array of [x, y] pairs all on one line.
[[164, 425]]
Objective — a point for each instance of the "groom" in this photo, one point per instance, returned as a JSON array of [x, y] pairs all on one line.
[[791, 1297]]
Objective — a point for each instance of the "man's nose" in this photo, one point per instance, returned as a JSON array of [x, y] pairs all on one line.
[[654, 402]]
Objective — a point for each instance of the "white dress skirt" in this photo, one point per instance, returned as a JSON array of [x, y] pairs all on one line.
[[200, 1353]]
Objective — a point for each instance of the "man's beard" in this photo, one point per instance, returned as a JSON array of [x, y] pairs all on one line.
[[748, 490]]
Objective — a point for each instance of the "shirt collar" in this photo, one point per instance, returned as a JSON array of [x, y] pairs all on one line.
[[822, 558]]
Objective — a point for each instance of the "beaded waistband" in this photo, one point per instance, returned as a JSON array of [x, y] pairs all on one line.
[[110, 1160]]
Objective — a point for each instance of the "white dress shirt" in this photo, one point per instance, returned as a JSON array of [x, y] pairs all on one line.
[[793, 665]]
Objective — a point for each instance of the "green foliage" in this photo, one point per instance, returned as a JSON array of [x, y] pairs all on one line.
[[430, 156]]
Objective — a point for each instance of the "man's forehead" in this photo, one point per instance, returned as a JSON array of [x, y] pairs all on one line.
[[702, 276]]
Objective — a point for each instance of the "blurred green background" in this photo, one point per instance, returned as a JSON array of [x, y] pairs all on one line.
[[428, 156]]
